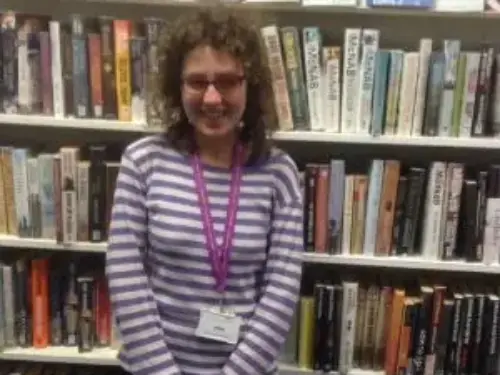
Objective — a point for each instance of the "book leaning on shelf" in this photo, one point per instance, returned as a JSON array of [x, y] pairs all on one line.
[[436, 211]]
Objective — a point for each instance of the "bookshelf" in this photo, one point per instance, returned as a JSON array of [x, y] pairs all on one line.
[[307, 141]]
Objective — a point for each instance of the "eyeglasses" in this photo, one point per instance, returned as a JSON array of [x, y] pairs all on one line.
[[224, 84]]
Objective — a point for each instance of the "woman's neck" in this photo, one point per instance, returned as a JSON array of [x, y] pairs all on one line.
[[216, 152]]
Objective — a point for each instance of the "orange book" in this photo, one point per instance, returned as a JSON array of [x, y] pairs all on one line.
[[405, 334], [96, 95], [40, 302], [396, 317]]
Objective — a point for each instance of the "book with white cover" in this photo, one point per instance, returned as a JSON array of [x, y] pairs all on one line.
[[423, 72], [407, 93], [352, 40], [312, 64], [433, 211], [369, 47]]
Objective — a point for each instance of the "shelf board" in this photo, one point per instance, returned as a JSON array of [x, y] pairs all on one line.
[[280, 136], [386, 140], [74, 123], [408, 263], [52, 245], [60, 354], [281, 6], [108, 357], [414, 263]]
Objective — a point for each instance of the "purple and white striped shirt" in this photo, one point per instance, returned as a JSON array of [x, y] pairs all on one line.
[[157, 308]]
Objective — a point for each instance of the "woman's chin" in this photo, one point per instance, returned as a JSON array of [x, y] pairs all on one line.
[[216, 130]]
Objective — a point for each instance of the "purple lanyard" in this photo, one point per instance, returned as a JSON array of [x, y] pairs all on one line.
[[219, 255]]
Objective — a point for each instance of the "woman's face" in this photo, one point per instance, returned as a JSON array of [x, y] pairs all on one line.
[[214, 91]]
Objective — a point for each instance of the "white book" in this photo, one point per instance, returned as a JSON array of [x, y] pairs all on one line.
[[469, 95], [23, 72], [9, 305], [347, 214], [420, 98], [21, 199], [69, 205], [347, 330], [331, 103], [372, 206], [433, 211], [83, 167], [452, 53], [350, 73], [491, 238], [454, 176], [369, 47], [47, 204], [56, 68], [407, 93], [312, 57], [271, 38]]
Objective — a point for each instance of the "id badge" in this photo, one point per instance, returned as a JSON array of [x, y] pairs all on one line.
[[218, 325]]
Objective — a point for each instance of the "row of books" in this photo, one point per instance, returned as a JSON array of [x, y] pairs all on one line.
[[79, 67], [66, 195], [109, 68], [54, 300], [16, 368], [437, 211], [360, 87], [433, 329]]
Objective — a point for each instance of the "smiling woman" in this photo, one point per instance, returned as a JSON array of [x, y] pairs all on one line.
[[206, 236]]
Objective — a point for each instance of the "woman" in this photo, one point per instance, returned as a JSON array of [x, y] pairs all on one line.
[[204, 256]]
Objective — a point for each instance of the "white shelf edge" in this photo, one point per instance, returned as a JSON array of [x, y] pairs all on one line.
[[75, 123], [61, 354], [401, 262], [289, 136], [386, 140], [279, 6], [108, 357], [52, 245]]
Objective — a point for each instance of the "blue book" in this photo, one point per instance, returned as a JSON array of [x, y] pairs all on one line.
[[419, 4]]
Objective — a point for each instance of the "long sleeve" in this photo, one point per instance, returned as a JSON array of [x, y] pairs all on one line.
[[144, 351], [269, 325]]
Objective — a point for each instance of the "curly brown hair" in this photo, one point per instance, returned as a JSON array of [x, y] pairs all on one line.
[[225, 29]]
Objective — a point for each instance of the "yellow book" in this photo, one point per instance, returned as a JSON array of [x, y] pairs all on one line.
[[122, 69]]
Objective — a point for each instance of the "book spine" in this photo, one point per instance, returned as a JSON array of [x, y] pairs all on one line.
[[56, 68], [433, 210], [331, 104], [95, 64], [312, 61], [81, 97], [271, 37], [349, 308], [295, 77], [352, 42], [122, 30], [369, 47], [109, 110], [424, 54]]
